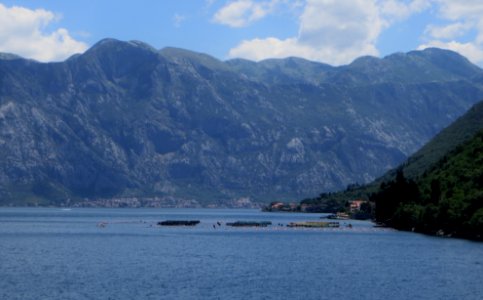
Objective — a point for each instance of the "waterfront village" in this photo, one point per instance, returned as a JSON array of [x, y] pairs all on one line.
[[355, 209]]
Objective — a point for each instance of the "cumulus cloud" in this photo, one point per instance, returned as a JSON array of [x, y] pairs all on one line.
[[333, 31], [241, 13], [340, 25], [258, 49], [446, 32], [395, 10], [462, 18], [22, 31], [338, 31], [457, 9], [329, 31]]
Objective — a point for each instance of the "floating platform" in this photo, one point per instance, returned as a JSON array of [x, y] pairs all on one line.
[[314, 224], [338, 216], [249, 224], [179, 223]]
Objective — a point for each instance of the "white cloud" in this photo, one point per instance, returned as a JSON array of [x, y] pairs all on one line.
[[457, 9], [469, 10], [22, 31], [338, 31], [398, 10], [241, 13], [339, 24], [330, 31], [462, 18], [259, 49], [446, 32], [333, 31]]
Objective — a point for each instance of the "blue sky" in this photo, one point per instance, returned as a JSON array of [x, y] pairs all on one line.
[[330, 31]]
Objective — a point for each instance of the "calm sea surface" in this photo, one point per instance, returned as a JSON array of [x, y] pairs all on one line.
[[50, 253]]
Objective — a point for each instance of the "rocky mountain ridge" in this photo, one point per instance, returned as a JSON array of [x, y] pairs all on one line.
[[125, 120]]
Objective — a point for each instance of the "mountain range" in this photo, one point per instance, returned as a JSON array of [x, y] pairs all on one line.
[[125, 120]]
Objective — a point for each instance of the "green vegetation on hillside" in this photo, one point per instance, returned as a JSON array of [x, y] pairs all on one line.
[[438, 190], [447, 199], [446, 141]]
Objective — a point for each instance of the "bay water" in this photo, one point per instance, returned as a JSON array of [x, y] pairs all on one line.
[[100, 253]]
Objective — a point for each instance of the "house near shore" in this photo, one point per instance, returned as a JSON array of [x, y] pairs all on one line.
[[281, 206], [276, 205], [355, 205]]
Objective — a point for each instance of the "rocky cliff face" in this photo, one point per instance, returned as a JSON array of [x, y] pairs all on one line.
[[124, 119]]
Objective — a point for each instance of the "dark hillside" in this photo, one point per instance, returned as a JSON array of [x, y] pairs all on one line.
[[446, 200], [417, 165]]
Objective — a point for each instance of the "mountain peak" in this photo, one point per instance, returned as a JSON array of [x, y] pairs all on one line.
[[365, 61], [110, 44], [142, 45], [439, 51], [449, 61]]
